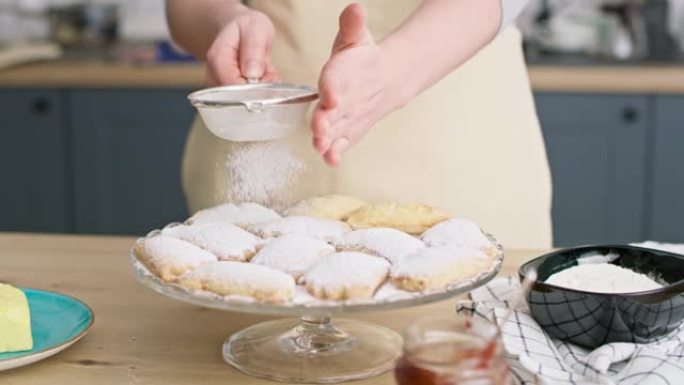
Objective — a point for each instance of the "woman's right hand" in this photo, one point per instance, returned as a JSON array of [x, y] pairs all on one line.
[[241, 51]]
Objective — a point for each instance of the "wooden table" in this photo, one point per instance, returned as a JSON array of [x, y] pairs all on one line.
[[140, 337]]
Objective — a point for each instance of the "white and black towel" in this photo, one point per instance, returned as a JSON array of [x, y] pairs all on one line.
[[537, 358]]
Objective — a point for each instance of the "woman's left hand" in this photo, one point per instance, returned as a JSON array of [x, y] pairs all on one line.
[[354, 88]]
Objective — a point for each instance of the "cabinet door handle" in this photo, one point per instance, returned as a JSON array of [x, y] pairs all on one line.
[[630, 114], [41, 106]]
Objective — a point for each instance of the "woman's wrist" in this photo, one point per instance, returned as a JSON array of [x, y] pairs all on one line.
[[398, 86], [401, 84], [194, 25], [436, 39], [226, 15]]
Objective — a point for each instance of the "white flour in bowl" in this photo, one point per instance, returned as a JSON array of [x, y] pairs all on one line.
[[262, 172], [603, 278]]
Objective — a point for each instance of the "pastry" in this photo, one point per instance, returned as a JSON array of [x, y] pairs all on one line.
[[242, 214], [408, 217], [458, 233], [168, 257], [228, 242], [346, 275], [239, 278], [293, 254], [436, 267], [384, 242], [332, 206], [319, 228]]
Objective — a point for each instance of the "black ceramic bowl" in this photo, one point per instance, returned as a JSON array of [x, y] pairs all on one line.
[[592, 319]]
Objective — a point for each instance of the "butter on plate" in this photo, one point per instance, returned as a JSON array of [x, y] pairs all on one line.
[[15, 320]]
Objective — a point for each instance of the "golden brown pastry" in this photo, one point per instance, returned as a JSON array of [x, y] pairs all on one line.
[[228, 242], [437, 267], [411, 218], [169, 257], [319, 228], [331, 206], [346, 275], [239, 278], [240, 214], [293, 254], [459, 233], [384, 242]]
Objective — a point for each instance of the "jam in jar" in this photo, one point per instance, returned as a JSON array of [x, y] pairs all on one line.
[[452, 351]]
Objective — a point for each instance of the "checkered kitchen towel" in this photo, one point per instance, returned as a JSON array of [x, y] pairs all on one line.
[[537, 358]]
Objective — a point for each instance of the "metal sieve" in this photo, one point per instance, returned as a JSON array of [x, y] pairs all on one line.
[[253, 112]]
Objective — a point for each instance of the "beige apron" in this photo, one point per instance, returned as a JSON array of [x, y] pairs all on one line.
[[471, 144]]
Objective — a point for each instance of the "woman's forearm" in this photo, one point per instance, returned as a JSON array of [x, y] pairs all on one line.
[[437, 38], [194, 24]]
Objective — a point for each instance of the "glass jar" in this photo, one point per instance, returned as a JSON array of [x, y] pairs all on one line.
[[452, 351]]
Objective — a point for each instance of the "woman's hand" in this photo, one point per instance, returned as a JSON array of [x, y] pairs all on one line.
[[364, 81], [241, 50], [354, 88]]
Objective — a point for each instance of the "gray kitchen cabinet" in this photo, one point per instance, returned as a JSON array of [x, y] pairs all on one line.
[[108, 160], [127, 147], [596, 146], [34, 184], [666, 199]]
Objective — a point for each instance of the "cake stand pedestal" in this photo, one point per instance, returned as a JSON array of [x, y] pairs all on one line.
[[313, 350]]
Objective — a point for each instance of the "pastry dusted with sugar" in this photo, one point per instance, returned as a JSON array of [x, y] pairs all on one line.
[[384, 242], [239, 278], [411, 218], [293, 254], [241, 214], [169, 257], [346, 275], [460, 233], [228, 242], [331, 206], [319, 228], [436, 267]]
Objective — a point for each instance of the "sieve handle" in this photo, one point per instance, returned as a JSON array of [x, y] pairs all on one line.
[[254, 106]]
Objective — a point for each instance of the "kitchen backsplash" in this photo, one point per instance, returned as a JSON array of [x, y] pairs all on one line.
[[588, 27], [608, 29], [676, 21], [30, 20]]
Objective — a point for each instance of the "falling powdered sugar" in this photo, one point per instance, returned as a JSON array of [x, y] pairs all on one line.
[[262, 172]]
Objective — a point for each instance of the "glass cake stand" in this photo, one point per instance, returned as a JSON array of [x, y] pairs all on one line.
[[312, 348]]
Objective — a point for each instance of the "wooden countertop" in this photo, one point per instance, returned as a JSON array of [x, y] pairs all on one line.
[[140, 337], [595, 79], [607, 79], [105, 75]]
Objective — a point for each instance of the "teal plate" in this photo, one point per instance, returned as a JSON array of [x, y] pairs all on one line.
[[57, 322]]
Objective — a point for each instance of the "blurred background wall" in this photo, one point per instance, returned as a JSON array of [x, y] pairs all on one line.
[[32, 20], [93, 116]]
